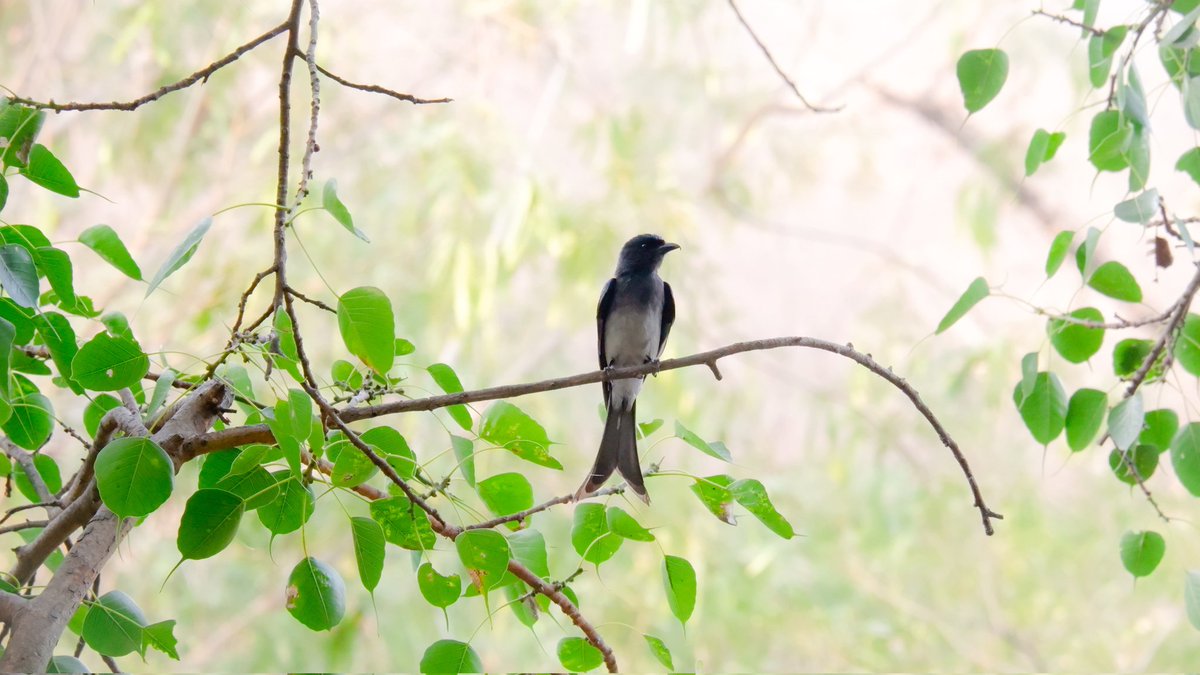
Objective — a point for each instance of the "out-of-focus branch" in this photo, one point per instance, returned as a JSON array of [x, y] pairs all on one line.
[[774, 64], [10, 605], [374, 88], [199, 75]]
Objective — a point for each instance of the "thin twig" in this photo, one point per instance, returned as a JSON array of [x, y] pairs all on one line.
[[199, 75], [767, 52], [312, 301], [314, 82], [524, 515], [234, 332], [260, 433], [25, 460], [23, 526], [1181, 310], [1069, 21], [374, 88]]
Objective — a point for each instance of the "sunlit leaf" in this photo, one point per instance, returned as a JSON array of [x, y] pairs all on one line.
[[623, 524], [368, 327], [506, 493], [334, 206], [977, 291], [981, 76], [210, 520], [1185, 457], [659, 649], [710, 449], [404, 523], [450, 656], [316, 595], [447, 379], [47, 171], [753, 497], [291, 509], [107, 363], [590, 534], [578, 655], [134, 476], [1114, 280], [486, 552], [679, 580], [113, 626], [506, 425], [437, 589], [1077, 343], [1141, 552], [1085, 415], [1125, 421], [107, 244]]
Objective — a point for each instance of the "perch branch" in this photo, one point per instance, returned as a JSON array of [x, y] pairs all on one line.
[[199, 75], [228, 438]]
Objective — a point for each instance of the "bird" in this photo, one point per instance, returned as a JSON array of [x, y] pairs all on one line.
[[633, 320]]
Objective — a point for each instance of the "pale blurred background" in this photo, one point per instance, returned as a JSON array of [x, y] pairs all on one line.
[[496, 219]]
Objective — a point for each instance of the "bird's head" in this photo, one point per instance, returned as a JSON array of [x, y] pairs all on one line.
[[643, 253]]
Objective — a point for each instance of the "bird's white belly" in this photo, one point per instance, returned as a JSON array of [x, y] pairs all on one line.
[[630, 339]]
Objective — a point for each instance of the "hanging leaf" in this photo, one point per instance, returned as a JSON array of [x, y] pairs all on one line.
[[624, 525], [450, 656], [753, 497], [486, 552], [1185, 457], [113, 626], [1187, 346], [507, 426], [1189, 163], [1140, 209], [578, 655], [1058, 252], [107, 244], [447, 379], [1085, 414], [506, 493], [679, 579], [977, 291], [47, 469], [1160, 428], [161, 636], [134, 476], [18, 275], [659, 649], [1114, 280], [55, 265], [1141, 552], [316, 595], [529, 548], [1125, 421], [1109, 140], [31, 421], [1191, 597], [1077, 343], [58, 336], [291, 509], [1044, 410], [334, 206], [590, 535], [1140, 458], [256, 487], [438, 590], [181, 255], [981, 76], [388, 442], [1042, 148], [46, 170], [210, 520], [368, 327], [1130, 354], [404, 523], [711, 449], [19, 126]]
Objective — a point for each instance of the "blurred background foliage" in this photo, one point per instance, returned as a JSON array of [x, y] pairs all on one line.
[[494, 221]]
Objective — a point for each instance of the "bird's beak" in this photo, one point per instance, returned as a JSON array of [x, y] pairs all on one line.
[[667, 248]]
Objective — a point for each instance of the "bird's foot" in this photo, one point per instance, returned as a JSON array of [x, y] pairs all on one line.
[[656, 366]]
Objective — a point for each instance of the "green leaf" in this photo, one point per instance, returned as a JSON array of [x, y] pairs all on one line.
[[58, 336], [1144, 459], [590, 535], [346, 376], [352, 468], [464, 453], [450, 656], [1129, 355], [162, 389], [981, 76], [161, 636], [1085, 414], [368, 327], [3, 191], [31, 422], [291, 509], [1160, 429], [368, 550], [182, 253], [977, 291], [392, 445], [404, 523], [48, 469], [210, 521], [714, 493], [316, 595], [711, 449], [107, 363], [1100, 51], [447, 379], [1074, 342], [404, 347], [1142, 551], [107, 244], [18, 275], [113, 626], [753, 496], [679, 579], [1114, 280], [1044, 410], [257, 487], [1125, 421], [96, 410], [117, 325], [529, 548], [1108, 141], [1187, 346], [438, 590], [1185, 457], [623, 524], [578, 655], [1191, 597], [506, 493], [507, 426], [65, 664], [1042, 148], [647, 428], [1139, 209], [1139, 159], [134, 476], [216, 466], [1058, 252], [334, 206], [1189, 163], [46, 170], [55, 264], [486, 552], [659, 649], [1085, 253], [19, 126]]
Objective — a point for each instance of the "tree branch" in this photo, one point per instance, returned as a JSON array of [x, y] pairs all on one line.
[[25, 461], [228, 438], [10, 605], [523, 515], [186, 82], [374, 88], [767, 52]]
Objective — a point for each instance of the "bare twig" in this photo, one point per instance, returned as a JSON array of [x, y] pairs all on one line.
[[1069, 21], [199, 75], [25, 507], [25, 461], [285, 141], [314, 82], [767, 52], [374, 88], [523, 515], [1156, 10], [23, 526], [312, 301], [228, 438], [234, 334]]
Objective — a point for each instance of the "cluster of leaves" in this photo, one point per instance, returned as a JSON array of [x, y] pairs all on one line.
[[283, 483], [1118, 142]]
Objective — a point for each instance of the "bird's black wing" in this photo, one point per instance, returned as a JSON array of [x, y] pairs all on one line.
[[602, 311], [668, 317]]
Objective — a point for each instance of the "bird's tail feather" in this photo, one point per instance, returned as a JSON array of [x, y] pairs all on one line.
[[618, 451]]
